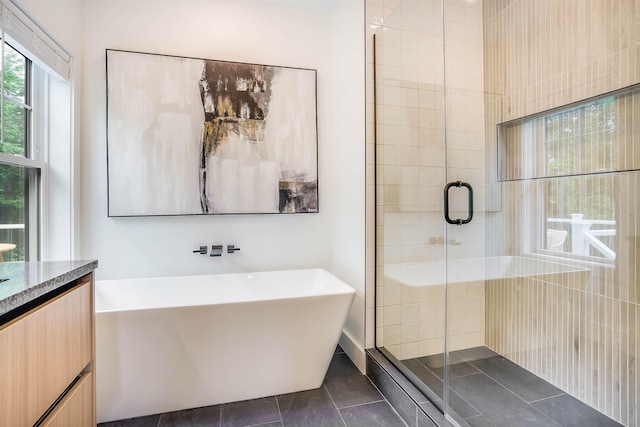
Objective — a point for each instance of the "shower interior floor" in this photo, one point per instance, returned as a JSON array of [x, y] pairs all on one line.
[[486, 389]]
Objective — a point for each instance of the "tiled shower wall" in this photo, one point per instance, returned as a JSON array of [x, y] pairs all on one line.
[[580, 333], [409, 129], [410, 166]]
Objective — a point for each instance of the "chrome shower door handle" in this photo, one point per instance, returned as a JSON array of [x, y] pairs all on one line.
[[458, 221]]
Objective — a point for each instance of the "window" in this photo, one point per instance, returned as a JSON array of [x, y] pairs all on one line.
[[19, 172], [580, 210], [589, 137], [572, 163], [580, 140], [35, 141]]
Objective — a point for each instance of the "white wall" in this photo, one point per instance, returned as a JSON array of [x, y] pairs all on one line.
[[326, 35], [309, 35], [348, 237], [236, 31]]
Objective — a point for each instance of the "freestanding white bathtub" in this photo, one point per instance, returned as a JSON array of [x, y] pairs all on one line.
[[166, 344]]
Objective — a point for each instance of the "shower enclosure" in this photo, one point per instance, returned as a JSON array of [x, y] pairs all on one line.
[[507, 159]]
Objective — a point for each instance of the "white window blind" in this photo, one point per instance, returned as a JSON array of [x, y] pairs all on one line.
[[25, 35]]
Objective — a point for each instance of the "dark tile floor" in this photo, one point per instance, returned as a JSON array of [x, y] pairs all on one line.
[[486, 389], [346, 399]]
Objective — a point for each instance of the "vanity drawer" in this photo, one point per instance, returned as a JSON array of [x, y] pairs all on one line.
[[42, 352], [76, 408]]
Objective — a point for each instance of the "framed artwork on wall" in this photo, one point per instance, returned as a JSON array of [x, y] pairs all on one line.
[[188, 136]]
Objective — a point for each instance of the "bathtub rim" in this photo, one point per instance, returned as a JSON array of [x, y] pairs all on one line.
[[343, 289]]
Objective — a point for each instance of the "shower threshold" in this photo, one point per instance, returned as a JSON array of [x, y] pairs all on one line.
[[486, 389]]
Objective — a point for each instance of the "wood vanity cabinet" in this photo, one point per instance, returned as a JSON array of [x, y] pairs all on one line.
[[47, 362]]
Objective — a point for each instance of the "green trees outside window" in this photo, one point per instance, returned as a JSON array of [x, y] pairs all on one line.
[[14, 140]]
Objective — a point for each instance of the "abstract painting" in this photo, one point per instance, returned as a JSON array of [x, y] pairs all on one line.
[[189, 136]]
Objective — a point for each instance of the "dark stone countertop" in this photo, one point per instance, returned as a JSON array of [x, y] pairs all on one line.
[[30, 280]]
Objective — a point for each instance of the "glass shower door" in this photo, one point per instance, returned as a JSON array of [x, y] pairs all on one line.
[[464, 201], [507, 168], [410, 160]]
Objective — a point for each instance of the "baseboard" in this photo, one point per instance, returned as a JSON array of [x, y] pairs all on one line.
[[355, 352]]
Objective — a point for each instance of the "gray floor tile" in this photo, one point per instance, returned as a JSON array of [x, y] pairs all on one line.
[[425, 375], [478, 421], [570, 412], [199, 417], [457, 366], [517, 379], [456, 370], [344, 386], [424, 420], [461, 406], [347, 386], [495, 402], [309, 409], [249, 412], [378, 414], [436, 361], [150, 421], [484, 393], [527, 416], [500, 390], [475, 353], [430, 412], [458, 404]]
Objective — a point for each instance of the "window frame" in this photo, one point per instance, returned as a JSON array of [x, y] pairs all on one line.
[[519, 137]]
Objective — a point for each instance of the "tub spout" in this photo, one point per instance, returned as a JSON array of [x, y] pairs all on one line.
[[216, 250]]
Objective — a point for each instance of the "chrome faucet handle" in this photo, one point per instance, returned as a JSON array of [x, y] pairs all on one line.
[[201, 251], [216, 250], [232, 248]]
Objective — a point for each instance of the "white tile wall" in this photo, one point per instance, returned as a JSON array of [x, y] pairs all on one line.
[[410, 151]]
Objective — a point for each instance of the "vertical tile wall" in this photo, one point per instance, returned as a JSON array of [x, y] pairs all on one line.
[[580, 333]]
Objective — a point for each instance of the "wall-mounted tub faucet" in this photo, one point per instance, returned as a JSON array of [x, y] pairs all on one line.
[[232, 248], [201, 251], [216, 250]]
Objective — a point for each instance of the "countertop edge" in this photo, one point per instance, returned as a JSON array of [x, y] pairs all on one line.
[[19, 299]]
